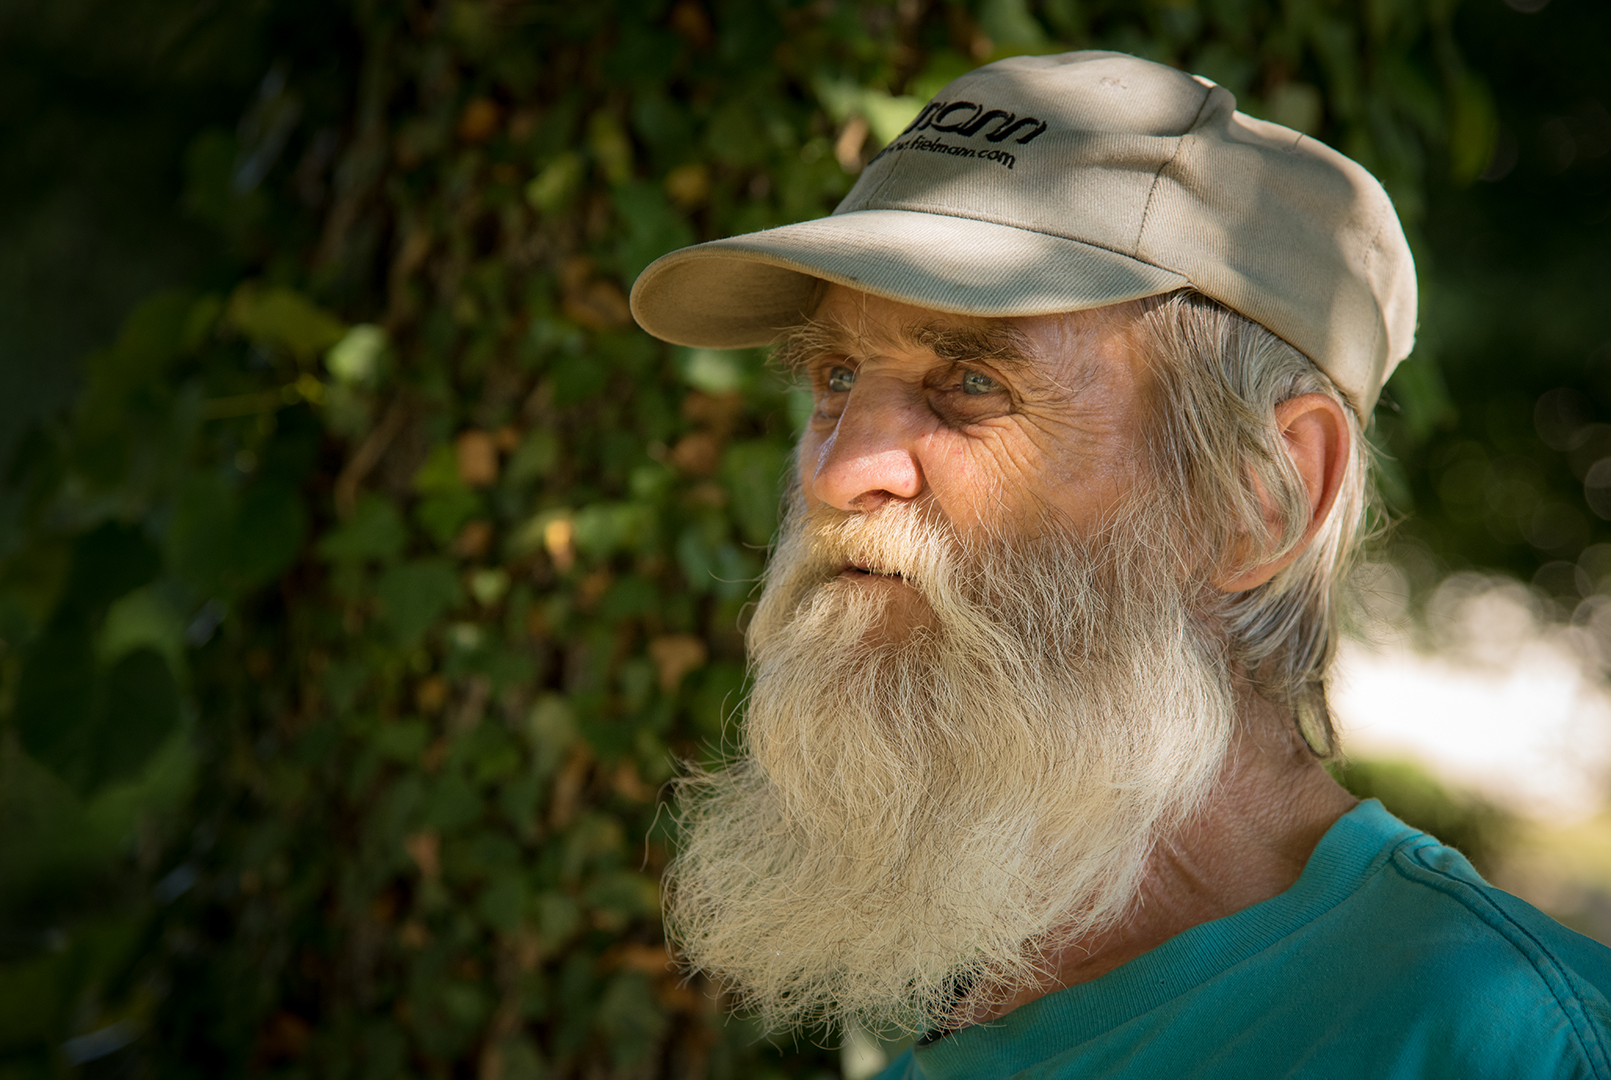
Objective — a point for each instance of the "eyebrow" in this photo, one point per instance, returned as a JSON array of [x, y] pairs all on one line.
[[994, 343]]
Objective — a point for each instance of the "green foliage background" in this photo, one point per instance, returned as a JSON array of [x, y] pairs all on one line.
[[361, 590]]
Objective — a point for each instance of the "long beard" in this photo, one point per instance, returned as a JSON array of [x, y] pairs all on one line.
[[917, 821]]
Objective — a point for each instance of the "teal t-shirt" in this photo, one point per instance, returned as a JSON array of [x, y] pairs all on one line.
[[1389, 958]]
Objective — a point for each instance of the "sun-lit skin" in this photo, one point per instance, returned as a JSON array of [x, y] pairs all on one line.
[[992, 443], [1044, 426]]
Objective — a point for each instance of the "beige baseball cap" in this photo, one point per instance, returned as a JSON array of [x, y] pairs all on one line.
[[1041, 184]]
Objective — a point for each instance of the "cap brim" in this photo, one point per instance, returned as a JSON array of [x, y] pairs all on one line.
[[748, 290]]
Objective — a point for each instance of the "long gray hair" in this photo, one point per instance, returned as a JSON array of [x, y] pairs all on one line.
[[1218, 445]]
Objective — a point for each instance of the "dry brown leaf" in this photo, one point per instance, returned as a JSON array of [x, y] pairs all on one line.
[[698, 453], [522, 124], [425, 848], [413, 934], [674, 656], [431, 694], [716, 411], [629, 785], [649, 959], [568, 787], [477, 454], [558, 541], [847, 148], [592, 587], [384, 909], [474, 540], [688, 185], [479, 120], [675, 995], [598, 305], [689, 20], [707, 494], [527, 950]]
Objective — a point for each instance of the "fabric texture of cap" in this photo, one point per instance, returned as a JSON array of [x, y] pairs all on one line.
[[1041, 184]]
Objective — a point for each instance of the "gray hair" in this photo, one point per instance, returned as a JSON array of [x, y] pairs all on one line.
[[1217, 444]]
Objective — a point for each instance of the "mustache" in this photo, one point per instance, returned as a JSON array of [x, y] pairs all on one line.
[[911, 541], [917, 543], [898, 538]]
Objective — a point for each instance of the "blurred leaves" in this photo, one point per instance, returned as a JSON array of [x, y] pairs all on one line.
[[94, 720], [414, 595], [279, 316]]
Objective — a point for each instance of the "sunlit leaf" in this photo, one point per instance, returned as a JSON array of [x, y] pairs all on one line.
[[284, 317], [356, 358]]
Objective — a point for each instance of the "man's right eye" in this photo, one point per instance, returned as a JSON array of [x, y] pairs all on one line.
[[840, 380]]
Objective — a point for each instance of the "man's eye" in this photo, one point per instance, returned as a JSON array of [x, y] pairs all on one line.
[[976, 382], [841, 379]]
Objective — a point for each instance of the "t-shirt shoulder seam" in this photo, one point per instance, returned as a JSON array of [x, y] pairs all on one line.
[[1480, 904]]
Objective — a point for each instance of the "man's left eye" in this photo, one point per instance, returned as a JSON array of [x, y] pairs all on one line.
[[977, 382]]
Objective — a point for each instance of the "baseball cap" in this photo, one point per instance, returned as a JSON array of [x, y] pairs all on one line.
[[1041, 184]]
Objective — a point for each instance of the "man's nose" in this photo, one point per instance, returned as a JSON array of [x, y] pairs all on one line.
[[871, 455]]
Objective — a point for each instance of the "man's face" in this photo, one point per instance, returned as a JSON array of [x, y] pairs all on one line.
[[997, 424], [977, 702]]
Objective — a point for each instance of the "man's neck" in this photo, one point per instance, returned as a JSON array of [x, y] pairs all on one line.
[[1249, 842]]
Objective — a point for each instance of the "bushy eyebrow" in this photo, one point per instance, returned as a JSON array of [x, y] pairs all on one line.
[[992, 343], [802, 345]]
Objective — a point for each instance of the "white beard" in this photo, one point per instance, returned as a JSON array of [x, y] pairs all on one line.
[[915, 821]]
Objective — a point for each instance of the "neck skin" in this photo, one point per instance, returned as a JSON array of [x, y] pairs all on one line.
[[1248, 843]]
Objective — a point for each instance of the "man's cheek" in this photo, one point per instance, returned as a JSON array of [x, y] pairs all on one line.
[[983, 479]]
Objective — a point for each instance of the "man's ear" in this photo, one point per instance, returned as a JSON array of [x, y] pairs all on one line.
[[1315, 433]]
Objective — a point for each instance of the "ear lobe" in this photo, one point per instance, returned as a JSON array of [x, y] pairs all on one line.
[[1315, 434]]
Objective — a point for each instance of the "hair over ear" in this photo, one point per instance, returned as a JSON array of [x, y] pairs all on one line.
[[1219, 441]]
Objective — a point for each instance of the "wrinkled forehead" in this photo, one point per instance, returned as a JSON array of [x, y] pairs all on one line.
[[1070, 348]]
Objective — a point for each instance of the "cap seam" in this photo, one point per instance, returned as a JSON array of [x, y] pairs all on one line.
[[1157, 177], [1380, 344], [895, 163]]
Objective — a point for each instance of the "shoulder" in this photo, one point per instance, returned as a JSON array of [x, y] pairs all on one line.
[[1499, 978]]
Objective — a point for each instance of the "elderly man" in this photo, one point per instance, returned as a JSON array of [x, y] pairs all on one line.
[[1033, 758]]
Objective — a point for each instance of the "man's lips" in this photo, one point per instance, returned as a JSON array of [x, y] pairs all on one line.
[[859, 571]]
